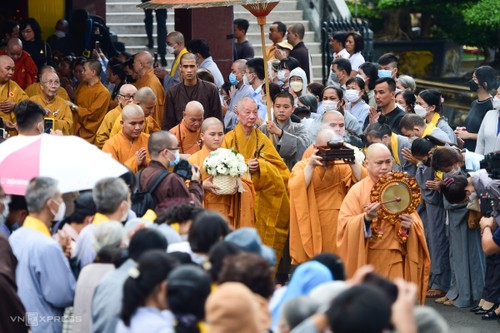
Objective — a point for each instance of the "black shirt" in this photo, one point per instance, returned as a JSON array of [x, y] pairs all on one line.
[[393, 119], [301, 53], [474, 119]]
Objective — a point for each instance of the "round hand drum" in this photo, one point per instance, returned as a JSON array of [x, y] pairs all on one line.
[[395, 197]]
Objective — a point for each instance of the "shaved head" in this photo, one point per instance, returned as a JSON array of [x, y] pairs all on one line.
[[335, 121], [158, 141], [143, 62], [14, 49], [330, 115], [144, 94], [132, 110], [91, 68], [145, 57], [378, 161], [193, 116], [7, 67], [376, 149], [212, 121], [46, 69], [128, 89], [194, 108]]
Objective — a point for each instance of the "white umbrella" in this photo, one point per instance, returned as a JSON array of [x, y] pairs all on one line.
[[76, 164]]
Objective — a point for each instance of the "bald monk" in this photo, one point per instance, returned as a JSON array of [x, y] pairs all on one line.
[[130, 146], [143, 69], [92, 99], [36, 88], [316, 194], [269, 175], [10, 93], [26, 71], [55, 107], [355, 244], [125, 97], [239, 207], [188, 131], [146, 99]]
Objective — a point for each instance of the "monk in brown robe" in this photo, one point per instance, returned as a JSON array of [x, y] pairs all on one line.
[[55, 107], [316, 194], [92, 99], [143, 69], [239, 207], [387, 254], [269, 175], [188, 131], [146, 99], [125, 97], [10, 93], [36, 88], [130, 146]]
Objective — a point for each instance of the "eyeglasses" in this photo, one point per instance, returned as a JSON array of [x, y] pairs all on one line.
[[52, 83], [127, 96]]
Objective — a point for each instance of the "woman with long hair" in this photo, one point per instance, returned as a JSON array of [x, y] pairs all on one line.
[[31, 36]]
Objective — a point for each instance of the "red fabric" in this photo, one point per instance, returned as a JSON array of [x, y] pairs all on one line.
[[26, 71]]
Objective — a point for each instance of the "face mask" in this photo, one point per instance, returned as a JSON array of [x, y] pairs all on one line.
[[420, 110], [281, 75], [125, 215], [496, 103], [334, 77], [245, 80], [361, 77], [59, 215], [384, 73], [296, 86], [177, 159], [412, 138], [5, 203], [400, 106], [352, 95], [455, 172], [330, 105], [170, 49], [473, 197], [59, 34], [232, 79], [473, 86]]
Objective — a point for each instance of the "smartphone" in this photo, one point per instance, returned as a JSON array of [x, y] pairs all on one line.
[[97, 45], [3, 134], [48, 125]]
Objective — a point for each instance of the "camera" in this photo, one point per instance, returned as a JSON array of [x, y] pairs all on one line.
[[183, 169], [491, 163]]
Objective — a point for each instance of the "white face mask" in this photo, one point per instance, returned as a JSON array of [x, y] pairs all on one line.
[[473, 197], [330, 105], [457, 171], [170, 49], [420, 110], [296, 86], [400, 106], [59, 215], [496, 103], [361, 77], [125, 214], [5, 203], [245, 80], [281, 75], [352, 95]]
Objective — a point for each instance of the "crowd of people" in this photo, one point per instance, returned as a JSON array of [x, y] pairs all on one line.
[[296, 244]]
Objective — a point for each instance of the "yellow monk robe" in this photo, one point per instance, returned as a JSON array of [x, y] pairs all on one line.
[[63, 118], [92, 104], [35, 89], [124, 151], [238, 208], [272, 206], [314, 209], [104, 131], [385, 254], [10, 91], [189, 142], [151, 126], [150, 80]]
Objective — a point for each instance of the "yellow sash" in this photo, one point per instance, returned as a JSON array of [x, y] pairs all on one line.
[[99, 218], [435, 119], [394, 148], [428, 130], [37, 225], [177, 62], [438, 175]]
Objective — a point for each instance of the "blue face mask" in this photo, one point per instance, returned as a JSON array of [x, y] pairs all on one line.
[[232, 79], [177, 159], [384, 73]]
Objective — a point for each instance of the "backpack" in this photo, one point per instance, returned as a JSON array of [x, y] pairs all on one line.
[[144, 200]]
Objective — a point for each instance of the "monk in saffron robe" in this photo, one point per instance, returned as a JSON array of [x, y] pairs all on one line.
[[387, 254], [125, 97], [143, 69], [269, 175], [239, 207], [36, 88], [130, 146], [92, 99], [10, 94], [55, 107], [188, 131], [146, 99], [26, 71], [316, 194]]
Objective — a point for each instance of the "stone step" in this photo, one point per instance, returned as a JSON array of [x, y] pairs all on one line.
[[131, 6], [275, 15], [135, 28]]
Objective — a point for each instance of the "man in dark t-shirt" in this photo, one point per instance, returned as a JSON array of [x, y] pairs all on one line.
[[243, 49]]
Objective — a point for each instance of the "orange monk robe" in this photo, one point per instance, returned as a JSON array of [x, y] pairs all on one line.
[[103, 133], [150, 80], [60, 111], [10, 91], [272, 206], [385, 254], [189, 142], [35, 89], [150, 126], [239, 207], [26, 71], [92, 104], [314, 209], [124, 151]]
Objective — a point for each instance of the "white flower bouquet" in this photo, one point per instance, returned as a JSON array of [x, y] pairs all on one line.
[[226, 166]]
